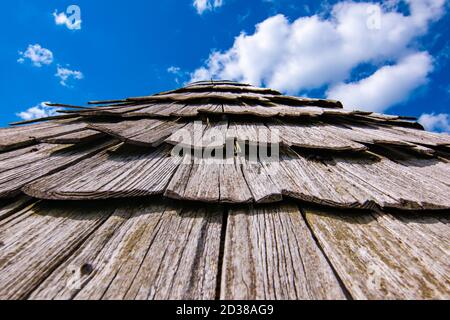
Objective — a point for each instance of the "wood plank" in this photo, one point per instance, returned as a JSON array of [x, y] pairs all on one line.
[[436, 169], [151, 109], [232, 184], [290, 111], [296, 101], [408, 187], [259, 181], [211, 108], [360, 134], [186, 111], [215, 135], [270, 254], [245, 109], [362, 182], [432, 226], [200, 135], [420, 136], [155, 136], [252, 132], [144, 132], [36, 245], [379, 135], [14, 205], [224, 88], [380, 258], [123, 172], [82, 136], [188, 246], [203, 184], [209, 181], [178, 184], [175, 254], [112, 111], [24, 156], [125, 129], [313, 136], [17, 137], [45, 163], [322, 182]]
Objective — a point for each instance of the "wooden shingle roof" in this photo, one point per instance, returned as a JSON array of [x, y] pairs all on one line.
[[223, 190]]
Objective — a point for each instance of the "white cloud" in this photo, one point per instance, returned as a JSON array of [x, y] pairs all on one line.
[[435, 122], [386, 87], [72, 23], [314, 52], [37, 55], [206, 5], [179, 75], [65, 74], [174, 70], [39, 111]]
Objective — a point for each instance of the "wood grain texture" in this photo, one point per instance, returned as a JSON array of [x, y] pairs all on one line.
[[28, 167], [200, 135], [245, 109], [8, 208], [232, 184], [40, 239], [255, 133], [408, 187], [380, 257], [260, 182], [16, 137], [271, 254], [204, 181], [145, 132], [82, 136], [146, 251], [315, 137], [234, 214], [113, 173]]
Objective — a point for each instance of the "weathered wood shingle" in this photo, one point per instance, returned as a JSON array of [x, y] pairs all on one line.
[[224, 191]]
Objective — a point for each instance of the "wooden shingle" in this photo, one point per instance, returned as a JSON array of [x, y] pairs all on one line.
[[221, 190]]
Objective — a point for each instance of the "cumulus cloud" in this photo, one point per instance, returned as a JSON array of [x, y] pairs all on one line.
[[387, 86], [435, 122], [65, 74], [39, 111], [37, 55], [73, 22], [315, 52], [206, 5]]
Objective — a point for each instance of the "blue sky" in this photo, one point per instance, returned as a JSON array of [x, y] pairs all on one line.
[[390, 57]]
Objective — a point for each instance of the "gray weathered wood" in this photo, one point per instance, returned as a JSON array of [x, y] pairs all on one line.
[[315, 137], [82, 136], [14, 205], [146, 251], [410, 189], [204, 181], [45, 162], [244, 109], [16, 137], [144, 132], [232, 184], [47, 236], [380, 257], [200, 135], [111, 174], [271, 254], [260, 183]]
